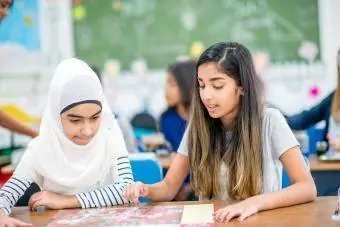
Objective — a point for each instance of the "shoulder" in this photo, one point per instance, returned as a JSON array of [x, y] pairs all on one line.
[[170, 112], [272, 114], [329, 98], [277, 135], [273, 120], [168, 115]]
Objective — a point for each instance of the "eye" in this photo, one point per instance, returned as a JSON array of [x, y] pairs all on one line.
[[74, 121], [218, 87], [94, 118], [171, 84]]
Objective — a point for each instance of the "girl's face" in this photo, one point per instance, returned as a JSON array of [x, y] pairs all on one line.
[[172, 91], [219, 92], [81, 123]]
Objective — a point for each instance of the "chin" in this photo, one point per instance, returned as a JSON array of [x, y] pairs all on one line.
[[171, 104], [80, 142], [215, 115]]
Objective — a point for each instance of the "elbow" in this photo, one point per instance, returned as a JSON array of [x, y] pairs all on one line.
[[170, 195], [314, 192], [310, 191]]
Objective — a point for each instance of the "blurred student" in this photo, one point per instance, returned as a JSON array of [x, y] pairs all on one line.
[[327, 110], [178, 92], [173, 121]]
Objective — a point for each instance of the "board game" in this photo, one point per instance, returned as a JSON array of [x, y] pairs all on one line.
[[135, 216]]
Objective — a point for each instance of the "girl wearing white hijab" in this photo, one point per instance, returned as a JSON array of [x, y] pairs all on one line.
[[79, 158]]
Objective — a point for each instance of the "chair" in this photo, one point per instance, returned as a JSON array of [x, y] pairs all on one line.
[[314, 135], [144, 121], [285, 178], [146, 168]]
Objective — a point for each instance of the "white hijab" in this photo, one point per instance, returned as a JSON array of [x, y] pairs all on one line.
[[52, 155]]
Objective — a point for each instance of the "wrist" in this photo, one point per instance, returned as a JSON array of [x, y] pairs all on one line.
[[148, 189], [256, 202], [2, 213], [70, 201]]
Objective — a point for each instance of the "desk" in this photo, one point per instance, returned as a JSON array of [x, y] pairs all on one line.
[[326, 176], [316, 214], [317, 165]]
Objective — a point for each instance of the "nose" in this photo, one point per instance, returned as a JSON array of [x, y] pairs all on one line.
[[206, 94], [87, 130]]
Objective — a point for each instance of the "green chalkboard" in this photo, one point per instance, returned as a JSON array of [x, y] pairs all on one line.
[[161, 30]]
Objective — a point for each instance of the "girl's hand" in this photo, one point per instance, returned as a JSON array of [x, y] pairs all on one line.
[[241, 210]]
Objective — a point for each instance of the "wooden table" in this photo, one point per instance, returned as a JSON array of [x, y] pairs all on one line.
[[317, 165], [316, 214]]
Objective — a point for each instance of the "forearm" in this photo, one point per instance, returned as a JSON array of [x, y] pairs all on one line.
[[70, 201], [8, 122], [297, 193], [110, 195], [162, 191], [167, 189], [11, 192]]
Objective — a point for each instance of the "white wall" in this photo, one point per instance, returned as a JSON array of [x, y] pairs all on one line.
[[329, 18], [56, 30]]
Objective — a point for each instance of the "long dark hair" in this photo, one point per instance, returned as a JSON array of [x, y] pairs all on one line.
[[207, 143]]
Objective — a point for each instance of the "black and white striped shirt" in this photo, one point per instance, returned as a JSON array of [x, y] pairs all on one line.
[[102, 197]]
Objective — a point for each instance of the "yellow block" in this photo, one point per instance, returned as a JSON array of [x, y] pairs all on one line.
[[20, 115]]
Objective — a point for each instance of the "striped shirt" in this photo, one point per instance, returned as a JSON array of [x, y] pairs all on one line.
[[109, 195]]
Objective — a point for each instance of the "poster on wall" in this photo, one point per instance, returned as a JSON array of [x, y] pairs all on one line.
[[36, 36], [20, 38]]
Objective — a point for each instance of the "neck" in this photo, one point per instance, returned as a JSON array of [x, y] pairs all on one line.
[[182, 111], [229, 120]]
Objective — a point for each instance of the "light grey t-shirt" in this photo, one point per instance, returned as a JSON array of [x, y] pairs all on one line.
[[277, 138]]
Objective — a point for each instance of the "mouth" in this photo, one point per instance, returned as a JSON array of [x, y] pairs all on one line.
[[82, 139], [211, 108]]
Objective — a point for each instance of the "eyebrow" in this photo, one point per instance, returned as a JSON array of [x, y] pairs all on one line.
[[213, 79], [77, 116]]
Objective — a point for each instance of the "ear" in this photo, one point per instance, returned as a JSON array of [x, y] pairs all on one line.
[[241, 90]]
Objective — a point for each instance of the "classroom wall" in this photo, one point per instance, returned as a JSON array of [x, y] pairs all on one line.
[[287, 86], [283, 82], [285, 90]]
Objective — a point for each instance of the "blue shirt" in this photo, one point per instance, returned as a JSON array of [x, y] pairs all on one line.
[[173, 127], [307, 118]]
